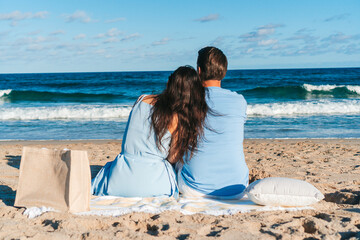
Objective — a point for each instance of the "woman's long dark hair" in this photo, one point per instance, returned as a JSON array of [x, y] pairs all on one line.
[[184, 100]]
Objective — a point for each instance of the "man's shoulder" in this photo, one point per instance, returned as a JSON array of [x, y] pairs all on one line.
[[229, 94]]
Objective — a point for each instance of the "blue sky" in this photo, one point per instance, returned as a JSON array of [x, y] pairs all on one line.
[[82, 36]]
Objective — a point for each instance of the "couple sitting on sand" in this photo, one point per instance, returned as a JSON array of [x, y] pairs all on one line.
[[193, 124]]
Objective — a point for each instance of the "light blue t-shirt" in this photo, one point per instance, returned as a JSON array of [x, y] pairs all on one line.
[[219, 168]]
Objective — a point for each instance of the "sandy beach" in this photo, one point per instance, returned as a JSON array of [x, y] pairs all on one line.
[[331, 165]]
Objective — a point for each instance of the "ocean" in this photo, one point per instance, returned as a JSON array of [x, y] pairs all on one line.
[[286, 103]]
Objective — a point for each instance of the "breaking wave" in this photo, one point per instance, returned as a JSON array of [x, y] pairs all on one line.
[[305, 91], [108, 112], [331, 88], [77, 112], [322, 107]]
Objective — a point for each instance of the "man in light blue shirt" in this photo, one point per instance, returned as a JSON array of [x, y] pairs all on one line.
[[218, 168]]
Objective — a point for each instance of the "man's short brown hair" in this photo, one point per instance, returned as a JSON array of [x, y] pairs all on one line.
[[212, 63]]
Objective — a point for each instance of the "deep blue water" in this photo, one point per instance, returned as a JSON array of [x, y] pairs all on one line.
[[291, 103]]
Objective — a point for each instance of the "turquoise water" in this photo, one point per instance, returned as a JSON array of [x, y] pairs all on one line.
[[291, 103]]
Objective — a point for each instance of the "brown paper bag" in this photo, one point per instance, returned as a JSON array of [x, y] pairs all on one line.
[[54, 178]]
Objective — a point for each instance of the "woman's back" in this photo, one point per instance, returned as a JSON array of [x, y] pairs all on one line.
[[139, 139], [141, 169]]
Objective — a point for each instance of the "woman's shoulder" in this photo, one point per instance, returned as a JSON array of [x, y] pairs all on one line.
[[149, 99]]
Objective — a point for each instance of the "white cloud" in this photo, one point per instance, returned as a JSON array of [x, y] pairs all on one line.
[[261, 33], [35, 47], [250, 37], [111, 40], [249, 50], [116, 20], [265, 31], [349, 49], [67, 48], [218, 41], [303, 34], [208, 18], [340, 38], [309, 49], [272, 26], [40, 15], [267, 42], [79, 36], [32, 40], [31, 43], [100, 35], [34, 33], [81, 16], [279, 46], [113, 32], [161, 42], [130, 37], [259, 38], [123, 39], [337, 17], [58, 32], [16, 16], [100, 51]]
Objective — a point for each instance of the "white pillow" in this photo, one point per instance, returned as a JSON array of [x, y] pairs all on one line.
[[277, 191]]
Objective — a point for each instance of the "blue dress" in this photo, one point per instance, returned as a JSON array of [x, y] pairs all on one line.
[[141, 169]]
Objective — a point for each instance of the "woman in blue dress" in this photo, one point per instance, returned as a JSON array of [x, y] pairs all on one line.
[[160, 130]]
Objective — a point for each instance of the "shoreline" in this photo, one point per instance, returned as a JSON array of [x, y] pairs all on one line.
[[32, 142], [101, 141]]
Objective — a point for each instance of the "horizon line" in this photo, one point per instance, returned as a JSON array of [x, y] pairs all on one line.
[[138, 71]]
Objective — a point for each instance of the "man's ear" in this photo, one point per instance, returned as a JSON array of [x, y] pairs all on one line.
[[198, 70]]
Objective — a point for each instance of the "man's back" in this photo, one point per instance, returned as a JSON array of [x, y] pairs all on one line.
[[219, 168]]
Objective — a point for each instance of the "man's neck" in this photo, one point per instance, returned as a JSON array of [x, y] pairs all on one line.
[[212, 83]]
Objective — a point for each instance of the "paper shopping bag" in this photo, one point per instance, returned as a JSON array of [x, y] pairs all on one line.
[[54, 178]]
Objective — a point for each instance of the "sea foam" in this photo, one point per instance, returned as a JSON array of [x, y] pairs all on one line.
[[327, 87], [104, 112], [76, 112], [5, 92], [322, 107]]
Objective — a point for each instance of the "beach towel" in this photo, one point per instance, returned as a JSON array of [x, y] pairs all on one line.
[[58, 179], [117, 206]]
